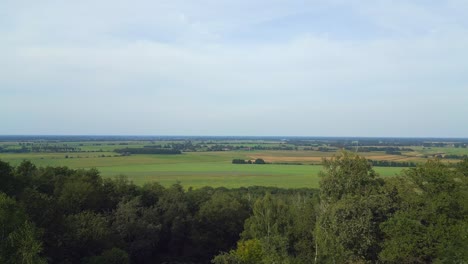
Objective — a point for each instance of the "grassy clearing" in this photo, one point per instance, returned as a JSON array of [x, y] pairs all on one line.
[[195, 169]]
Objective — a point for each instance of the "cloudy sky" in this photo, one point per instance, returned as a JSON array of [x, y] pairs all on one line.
[[241, 67]]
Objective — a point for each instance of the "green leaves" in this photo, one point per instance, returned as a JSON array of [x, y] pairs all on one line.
[[346, 174], [269, 218], [431, 225], [218, 224], [19, 238], [26, 244], [351, 207]]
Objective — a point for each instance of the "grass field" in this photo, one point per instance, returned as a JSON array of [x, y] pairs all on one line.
[[192, 169], [208, 168]]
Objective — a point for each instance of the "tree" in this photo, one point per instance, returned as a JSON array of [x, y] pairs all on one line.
[[270, 223], [352, 204], [19, 239], [432, 224], [24, 173], [81, 191], [218, 223], [111, 256], [346, 174], [7, 179], [176, 219], [115, 190], [259, 161], [86, 233], [26, 244], [247, 252], [139, 228], [462, 167]]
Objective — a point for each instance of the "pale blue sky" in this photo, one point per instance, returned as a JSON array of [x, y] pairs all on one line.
[[243, 67]]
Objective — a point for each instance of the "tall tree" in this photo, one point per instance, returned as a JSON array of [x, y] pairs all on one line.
[[218, 224], [432, 224], [19, 239], [7, 179], [352, 206]]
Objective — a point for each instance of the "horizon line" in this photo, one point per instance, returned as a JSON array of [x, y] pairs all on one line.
[[231, 136]]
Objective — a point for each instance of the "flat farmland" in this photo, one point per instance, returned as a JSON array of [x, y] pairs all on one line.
[[196, 169], [208, 162]]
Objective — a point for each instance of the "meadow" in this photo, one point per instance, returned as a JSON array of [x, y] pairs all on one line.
[[293, 163], [194, 169]]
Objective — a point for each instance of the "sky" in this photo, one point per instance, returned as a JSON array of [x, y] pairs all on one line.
[[371, 68]]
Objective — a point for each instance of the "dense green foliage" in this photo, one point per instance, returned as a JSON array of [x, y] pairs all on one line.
[[62, 215], [419, 217]]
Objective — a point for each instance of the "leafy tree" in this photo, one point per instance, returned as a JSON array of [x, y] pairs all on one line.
[[7, 179], [351, 207], [139, 228], [82, 191], [250, 251], [268, 219], [26, 244], [346, 174], [218, 224], [19, 239], [176, 220], [111, 256], [270, 223], [26, 169], [115, 190], [432, 223], [86, 234], [151, 192], [247, 252], [301, 233], [462, 167], [259, 161]]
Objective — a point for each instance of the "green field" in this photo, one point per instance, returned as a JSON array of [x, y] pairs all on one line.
[[201, 165], [192, 169]]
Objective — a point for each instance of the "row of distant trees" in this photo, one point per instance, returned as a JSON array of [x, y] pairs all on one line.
[[242, 161], [386, 163], [454, 156], [148, 151]]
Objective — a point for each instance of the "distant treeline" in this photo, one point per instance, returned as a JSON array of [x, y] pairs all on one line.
[[261, 161], [242, 161], [386, 163], [387, 150], [40, 148], [148, 151], [287, 163], [227, 147], [53, 148], [453, 156], [444, 144], [184, 146], [14, 150], [325, 149]]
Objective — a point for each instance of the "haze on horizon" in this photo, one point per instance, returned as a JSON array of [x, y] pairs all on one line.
[[289, 68]]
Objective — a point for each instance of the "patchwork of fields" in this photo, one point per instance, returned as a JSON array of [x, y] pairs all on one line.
[[208, 162], [192, 169]]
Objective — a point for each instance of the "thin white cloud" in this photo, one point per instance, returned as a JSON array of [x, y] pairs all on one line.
[[172, 67]]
